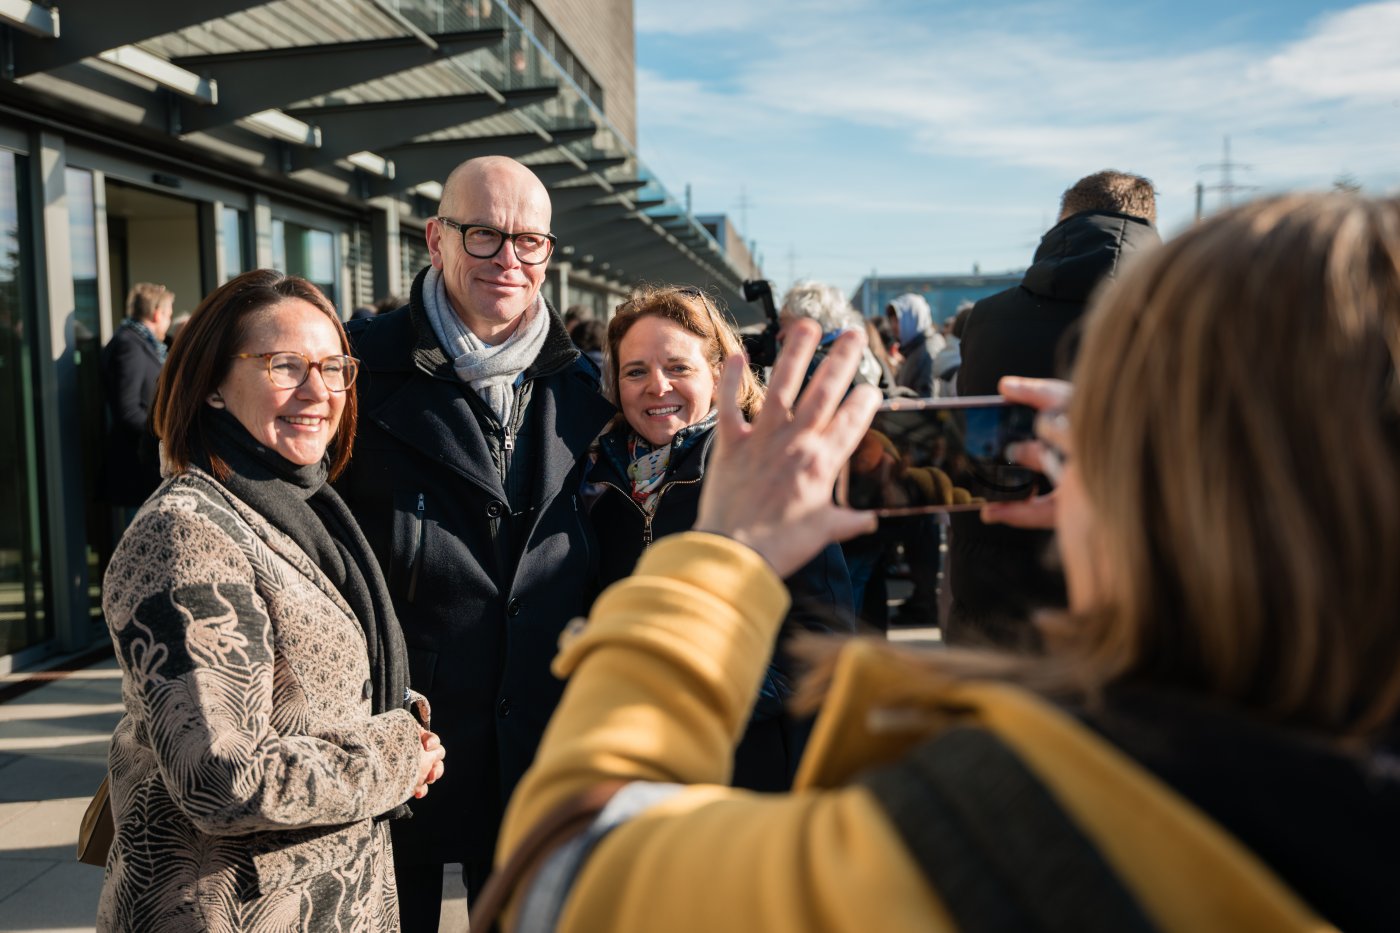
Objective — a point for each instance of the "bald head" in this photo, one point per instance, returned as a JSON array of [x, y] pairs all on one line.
[[490, 293], [488, 172]]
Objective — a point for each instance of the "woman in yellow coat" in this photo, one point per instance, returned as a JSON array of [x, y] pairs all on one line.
[[1207, 746]]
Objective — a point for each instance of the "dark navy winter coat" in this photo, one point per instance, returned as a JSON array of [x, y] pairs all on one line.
[[772, 744], [487, 553]]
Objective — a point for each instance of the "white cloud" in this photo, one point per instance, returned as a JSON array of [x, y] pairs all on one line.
[[987, 91], [1353, 54], [1048, 101]]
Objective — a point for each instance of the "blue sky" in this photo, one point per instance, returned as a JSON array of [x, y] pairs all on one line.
[[923, 137]]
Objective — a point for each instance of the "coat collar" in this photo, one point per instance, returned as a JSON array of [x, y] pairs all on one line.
[[434, 415], [1082, 250], [612, 463]]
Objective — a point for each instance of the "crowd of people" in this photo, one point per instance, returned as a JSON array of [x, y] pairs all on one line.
[[570, 602]]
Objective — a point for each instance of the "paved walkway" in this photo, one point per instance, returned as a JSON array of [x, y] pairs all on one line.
[[53, 754]]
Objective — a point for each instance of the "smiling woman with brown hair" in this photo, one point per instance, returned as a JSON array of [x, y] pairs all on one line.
[[661, 367], [267, 731]]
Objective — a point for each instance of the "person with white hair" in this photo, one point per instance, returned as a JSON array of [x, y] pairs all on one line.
[[919, 342], [830, 308]]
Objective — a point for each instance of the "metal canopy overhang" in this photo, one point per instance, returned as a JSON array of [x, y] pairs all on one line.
[[260, 79], [389, 95], [382, 123], [552, 173], [92, 26], [432, 160]]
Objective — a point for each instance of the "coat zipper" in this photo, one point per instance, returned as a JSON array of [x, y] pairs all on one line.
[[417, 560], [646, 531], [508, 432], [647, 516]]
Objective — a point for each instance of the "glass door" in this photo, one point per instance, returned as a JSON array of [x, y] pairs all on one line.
[[22, 620]]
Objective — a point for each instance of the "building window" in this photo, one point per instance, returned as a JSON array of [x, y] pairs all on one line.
[[87, 361], [233, 236], [307, 252], [22, 620]]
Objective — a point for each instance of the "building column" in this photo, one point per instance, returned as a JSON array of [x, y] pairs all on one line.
[[212, 273], [262, 232], [61, 481], [385, 248]]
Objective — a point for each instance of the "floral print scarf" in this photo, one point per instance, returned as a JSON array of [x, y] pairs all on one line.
[[647, 471]]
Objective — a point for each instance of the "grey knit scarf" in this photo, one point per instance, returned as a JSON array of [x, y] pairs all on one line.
[[490, 371]]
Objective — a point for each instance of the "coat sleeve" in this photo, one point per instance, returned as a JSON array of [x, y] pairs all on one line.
[[195, 645], [661, 681]]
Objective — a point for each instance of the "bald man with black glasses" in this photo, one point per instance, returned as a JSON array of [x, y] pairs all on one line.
[[476, 415]]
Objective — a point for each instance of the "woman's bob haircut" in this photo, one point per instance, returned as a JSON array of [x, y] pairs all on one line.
[[200, 359], [1236, 423], [1236, 428], [690, 308]]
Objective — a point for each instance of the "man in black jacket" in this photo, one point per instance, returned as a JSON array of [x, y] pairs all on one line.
[[131, 364], [999, 575], [475, 417]]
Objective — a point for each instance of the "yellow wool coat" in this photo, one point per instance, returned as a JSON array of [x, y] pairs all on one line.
[[660, 683]]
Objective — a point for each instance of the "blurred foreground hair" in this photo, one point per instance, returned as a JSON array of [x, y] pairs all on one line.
[[1236, 425]]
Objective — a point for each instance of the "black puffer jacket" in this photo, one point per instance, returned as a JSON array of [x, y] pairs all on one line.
[[772, 744], [1018, 332], [486, 550], [998, 574]]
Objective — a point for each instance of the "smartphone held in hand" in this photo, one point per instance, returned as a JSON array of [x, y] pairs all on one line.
[[940, 455]]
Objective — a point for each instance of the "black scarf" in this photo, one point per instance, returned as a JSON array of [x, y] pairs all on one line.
[[298, 502]]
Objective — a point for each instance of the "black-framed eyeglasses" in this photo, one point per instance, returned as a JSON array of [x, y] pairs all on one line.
[[483, 242], [288, 369]]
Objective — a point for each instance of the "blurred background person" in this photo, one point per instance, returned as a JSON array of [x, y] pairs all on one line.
[[829, 307], [576, 314], [877, 345], [267, 736], [664, 352], [388, 303], [131, 364], [949, 360], [919, 343], [999, 576], [591, 336], [1230, 527]]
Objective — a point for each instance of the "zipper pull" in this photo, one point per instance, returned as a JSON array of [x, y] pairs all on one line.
[[509, 441], [420, 502]]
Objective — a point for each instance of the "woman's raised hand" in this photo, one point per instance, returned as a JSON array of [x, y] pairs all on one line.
[[769, 484]]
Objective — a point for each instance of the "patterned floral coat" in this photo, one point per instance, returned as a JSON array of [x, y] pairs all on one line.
[[247, 770]]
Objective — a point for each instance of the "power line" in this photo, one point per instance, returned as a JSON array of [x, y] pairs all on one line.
[[1227, 186]]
